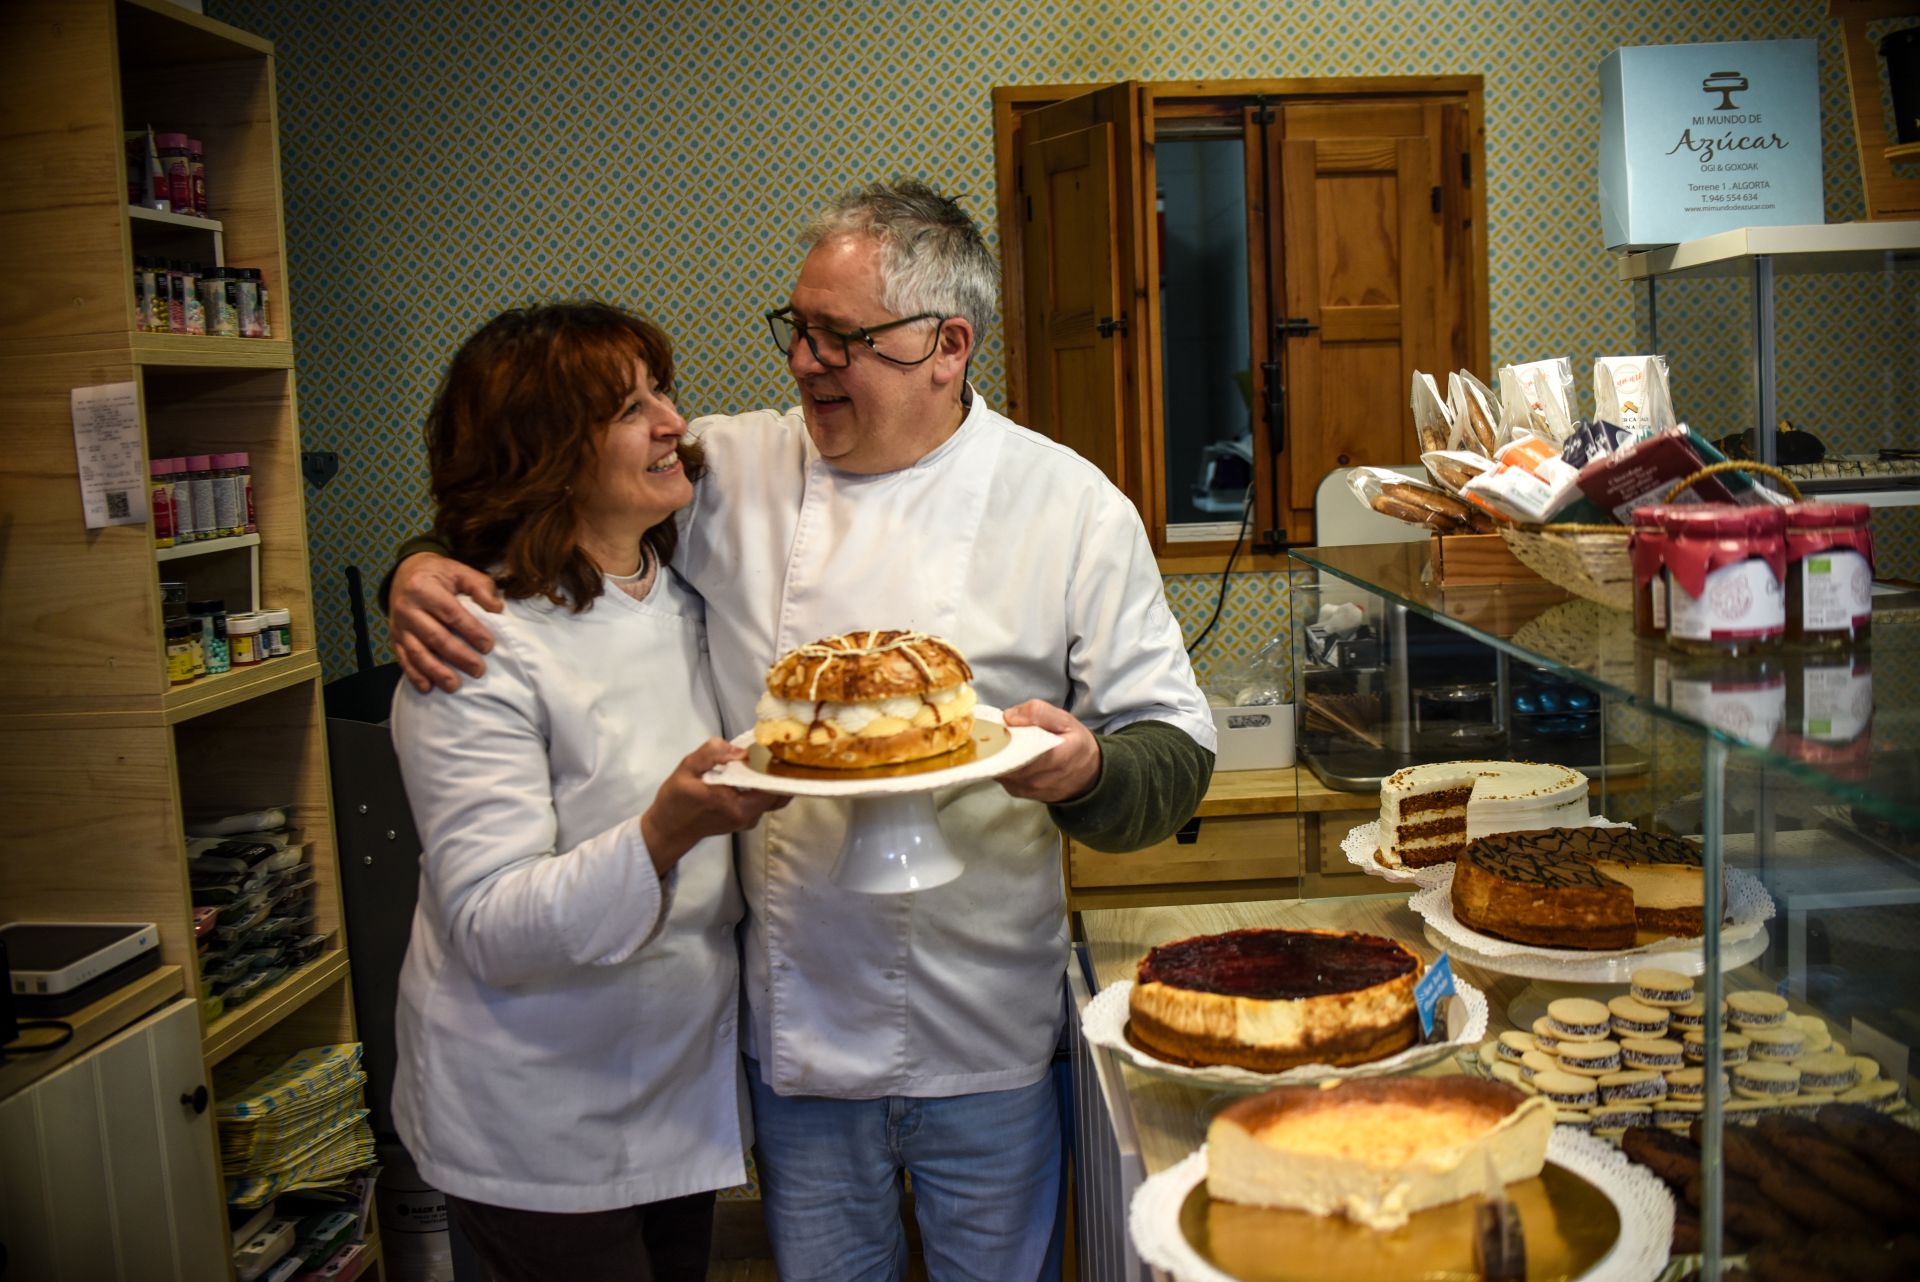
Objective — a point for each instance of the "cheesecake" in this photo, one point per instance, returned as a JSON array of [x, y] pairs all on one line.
[[1375, 1150], [1270, 1000]]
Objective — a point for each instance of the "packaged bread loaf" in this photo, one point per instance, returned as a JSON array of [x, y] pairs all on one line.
[[1391, 494], [1476, 414], [1432, 419], [1536, 397], [1631, 393]]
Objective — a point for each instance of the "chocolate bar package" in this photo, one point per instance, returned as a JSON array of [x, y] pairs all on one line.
[[1645, 471]]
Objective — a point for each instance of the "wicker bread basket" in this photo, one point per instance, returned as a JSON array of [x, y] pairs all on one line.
[[1591, 561]]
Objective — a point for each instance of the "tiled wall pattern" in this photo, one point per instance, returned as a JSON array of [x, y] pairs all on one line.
[[444, 160]]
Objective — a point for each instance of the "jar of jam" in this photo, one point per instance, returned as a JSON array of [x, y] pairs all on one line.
[[1725, 569], [1743, 696], [1647, 544], [1830, 712], [1829, 574]]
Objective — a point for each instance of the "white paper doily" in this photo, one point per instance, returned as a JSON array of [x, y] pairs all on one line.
[[1638, 1255], [1361, 846], [1020, 745], [1104, 1023], [1749, 908]]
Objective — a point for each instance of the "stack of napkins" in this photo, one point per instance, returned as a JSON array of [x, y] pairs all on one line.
[[292, 1122]]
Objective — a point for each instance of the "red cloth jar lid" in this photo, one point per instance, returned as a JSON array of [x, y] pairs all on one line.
[[1824, 515], [1721, 520]]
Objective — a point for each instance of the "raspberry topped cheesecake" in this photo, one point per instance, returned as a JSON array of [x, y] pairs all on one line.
[[1269, 1000]]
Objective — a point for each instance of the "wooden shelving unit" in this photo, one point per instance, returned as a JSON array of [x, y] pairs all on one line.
[[105, 762]]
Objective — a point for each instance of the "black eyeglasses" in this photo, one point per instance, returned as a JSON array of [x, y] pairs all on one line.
[[833, 349]]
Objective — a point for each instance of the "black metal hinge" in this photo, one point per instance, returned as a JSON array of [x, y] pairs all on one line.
[[1294, 327], [1466, 170], [1108, 326], [1436, 200], [1276, 405]]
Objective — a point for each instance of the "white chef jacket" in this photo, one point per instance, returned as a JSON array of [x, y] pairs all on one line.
[[1024, 556], [568, 1026]]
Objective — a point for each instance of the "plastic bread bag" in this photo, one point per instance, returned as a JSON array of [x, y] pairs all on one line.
[[1391, 494], [1432, 419], [1531, 484], [1476, 414], [1452, 469], [1632, 391], [1536, 397]]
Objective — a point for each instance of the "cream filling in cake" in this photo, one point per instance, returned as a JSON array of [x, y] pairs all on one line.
[[789, 720], [1428, 813], [1375, 1161]]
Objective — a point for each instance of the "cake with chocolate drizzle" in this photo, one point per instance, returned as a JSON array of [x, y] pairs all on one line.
[[1581, 888], [1269, 1000]]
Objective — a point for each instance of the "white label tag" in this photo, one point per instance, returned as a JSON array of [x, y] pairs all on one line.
[[1740, 600], [1836, 587]]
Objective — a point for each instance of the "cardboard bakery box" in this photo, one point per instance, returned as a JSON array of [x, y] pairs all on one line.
[[1254, 737], [1704, 138]]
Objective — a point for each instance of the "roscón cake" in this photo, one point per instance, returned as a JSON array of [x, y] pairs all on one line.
[[1429, 813], [866, 699], [1579, 888], [1376, 1150], [1269, 1000]]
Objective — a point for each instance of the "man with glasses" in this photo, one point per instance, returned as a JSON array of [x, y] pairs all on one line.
[[913, 1032]]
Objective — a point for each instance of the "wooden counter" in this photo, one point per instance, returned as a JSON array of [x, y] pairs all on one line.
[[1258, 835]]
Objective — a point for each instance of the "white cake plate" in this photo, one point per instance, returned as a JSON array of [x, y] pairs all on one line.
[[894, 843]]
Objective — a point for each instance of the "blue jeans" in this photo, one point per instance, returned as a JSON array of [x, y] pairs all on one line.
[[986, 1183]]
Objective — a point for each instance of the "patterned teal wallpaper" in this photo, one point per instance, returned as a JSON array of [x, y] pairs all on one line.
[[444, 160]]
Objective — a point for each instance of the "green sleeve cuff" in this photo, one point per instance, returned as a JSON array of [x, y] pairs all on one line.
[[418, 543], [1152, 778]]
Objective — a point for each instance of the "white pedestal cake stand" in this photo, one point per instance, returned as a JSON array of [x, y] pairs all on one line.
[[894, 843]]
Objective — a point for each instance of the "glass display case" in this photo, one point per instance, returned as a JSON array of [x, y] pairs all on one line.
[[1798, 774]]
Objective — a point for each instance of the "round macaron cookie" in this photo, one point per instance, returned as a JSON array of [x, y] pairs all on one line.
[[1676, 1115], [1611, 1119], [1543, 1035], [1764, 1080], [1653, 986], [1733, 1047], [1634, 1084], [1879, 1093], [1814, 1029], [1692, 1015], [1657, 1053], [1756, 1010], [1780, 1043], [1636, 1019], [1589, 1059], [1867, 1066], [1690, 1084], [1504, 1072], [1511, 1046], [1579, 1119], [1567, 1090], [1534, 1063], [1826, 1072], [1577, 1019]]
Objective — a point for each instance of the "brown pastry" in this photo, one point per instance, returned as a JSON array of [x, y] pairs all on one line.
[[1480, 425], [1838, 1257], [1686, 1230], [1748, 1212], [1893, 1149], [1674, 1158], [866, 699], [1834, 1167]]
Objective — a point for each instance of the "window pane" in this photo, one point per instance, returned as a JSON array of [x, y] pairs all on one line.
[[1204, 327]]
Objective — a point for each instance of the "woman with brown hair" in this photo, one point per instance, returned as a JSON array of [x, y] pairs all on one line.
[[568, 1070]]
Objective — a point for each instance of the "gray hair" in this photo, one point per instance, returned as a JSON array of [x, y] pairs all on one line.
[[936, 259]]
